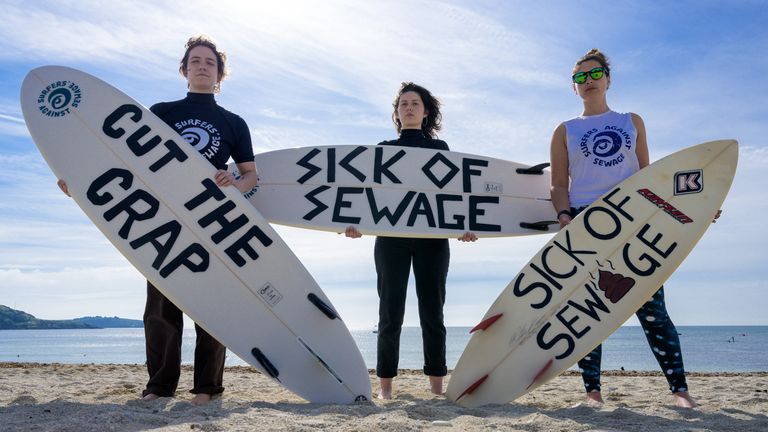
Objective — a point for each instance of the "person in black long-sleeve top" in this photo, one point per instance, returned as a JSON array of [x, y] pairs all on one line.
[[417, 118], [217, 134]]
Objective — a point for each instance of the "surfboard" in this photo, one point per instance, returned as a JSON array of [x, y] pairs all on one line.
[[402, 192], [593, 275], [204, 247]]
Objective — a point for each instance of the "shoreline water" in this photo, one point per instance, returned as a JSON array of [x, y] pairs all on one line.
[[705, 348]]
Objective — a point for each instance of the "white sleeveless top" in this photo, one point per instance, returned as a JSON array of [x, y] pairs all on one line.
[[601, 154]]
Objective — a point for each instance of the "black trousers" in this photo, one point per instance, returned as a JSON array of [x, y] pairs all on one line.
[[393, 257], [163, 326]]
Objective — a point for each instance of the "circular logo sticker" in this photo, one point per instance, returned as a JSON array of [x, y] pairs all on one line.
[[58, 98]]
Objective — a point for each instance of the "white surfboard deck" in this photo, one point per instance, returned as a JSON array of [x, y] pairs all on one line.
[[593, 275], [400, 191], [239, 281]]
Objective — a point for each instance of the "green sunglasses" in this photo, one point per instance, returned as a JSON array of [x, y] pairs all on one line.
[[596, 74]]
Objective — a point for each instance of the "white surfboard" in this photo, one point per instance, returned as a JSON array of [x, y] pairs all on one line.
[[593, 275], [205, 248], [402, 192]]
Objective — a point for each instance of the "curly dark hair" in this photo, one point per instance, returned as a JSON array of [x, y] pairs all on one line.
[[433, 122], [221, 57]]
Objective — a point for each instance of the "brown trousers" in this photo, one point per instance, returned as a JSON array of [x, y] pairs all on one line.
[[163, 326]]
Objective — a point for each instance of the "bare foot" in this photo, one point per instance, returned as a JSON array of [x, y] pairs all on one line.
[[201, 399], [594, 398], [436, 385], [386, 388], [150, 397], [684, 400]]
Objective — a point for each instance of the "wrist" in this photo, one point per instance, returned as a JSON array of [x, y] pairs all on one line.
[[562, 213]]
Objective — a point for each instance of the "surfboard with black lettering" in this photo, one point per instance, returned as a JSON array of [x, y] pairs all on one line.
[[593, 275], [402, 192], [204, 247]]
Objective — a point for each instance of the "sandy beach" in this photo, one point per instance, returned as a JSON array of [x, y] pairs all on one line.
[[57, 397]]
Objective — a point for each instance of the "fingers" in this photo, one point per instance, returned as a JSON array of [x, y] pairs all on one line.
[[224, 178], [352, 232], [468, 236], [63, 186]]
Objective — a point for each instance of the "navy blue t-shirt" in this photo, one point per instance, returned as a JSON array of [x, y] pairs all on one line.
[[213, 131]]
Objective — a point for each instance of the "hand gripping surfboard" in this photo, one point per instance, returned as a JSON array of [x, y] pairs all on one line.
[[205, 248], [593, 275]]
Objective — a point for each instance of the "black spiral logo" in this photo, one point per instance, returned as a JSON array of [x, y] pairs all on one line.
[[606, 143], [59, 98]]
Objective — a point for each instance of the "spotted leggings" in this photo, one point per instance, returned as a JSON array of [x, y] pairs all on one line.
[[663, 340]]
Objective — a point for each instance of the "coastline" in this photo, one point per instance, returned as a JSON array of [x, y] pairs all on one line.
[[88, 397]]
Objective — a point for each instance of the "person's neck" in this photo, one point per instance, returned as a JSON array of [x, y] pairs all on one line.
[[595, 108]]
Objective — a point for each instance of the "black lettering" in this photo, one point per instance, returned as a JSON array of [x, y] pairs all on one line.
[[174, 153], [139, 196], [440, 199], [219, 215], [421, 207], [568, 322], [549, 270], [467, 171], [331, 165], [384, 212], [590, 305], [518, 292], [653, 264], [126, 179], [172, 229], [138, 148], [210, 191], [568, 249], [652, 243], [379, 168], [345, 163], [340, 203], [547, 345], [109, 122], [593, 232], [618, 207], [475, 211], [184, 259], [311, 169], [242, 244], [319, 205]]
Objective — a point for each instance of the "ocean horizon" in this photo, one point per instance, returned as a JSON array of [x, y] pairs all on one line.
[[705, 348]]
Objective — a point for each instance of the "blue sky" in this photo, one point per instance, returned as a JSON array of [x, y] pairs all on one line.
[[320, 73]]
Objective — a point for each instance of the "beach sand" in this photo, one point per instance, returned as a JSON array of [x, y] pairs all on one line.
[[57, 397]]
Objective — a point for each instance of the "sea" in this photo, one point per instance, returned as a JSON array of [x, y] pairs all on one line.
[[705, 348]]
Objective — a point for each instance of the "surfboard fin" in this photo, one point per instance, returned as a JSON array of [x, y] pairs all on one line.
[[484, 324], [535, 170], [323, 306], [471, 389], [541, 373], [320, 360], [538, 226], [265, 363]]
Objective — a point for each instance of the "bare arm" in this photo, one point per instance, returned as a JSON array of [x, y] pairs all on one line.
[[641, 147], [558, 155], [248, 177]]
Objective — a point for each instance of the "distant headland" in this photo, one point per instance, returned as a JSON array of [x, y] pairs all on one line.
[[12, 319]]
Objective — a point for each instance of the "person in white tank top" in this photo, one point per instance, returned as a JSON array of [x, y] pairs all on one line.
[[590, 154]]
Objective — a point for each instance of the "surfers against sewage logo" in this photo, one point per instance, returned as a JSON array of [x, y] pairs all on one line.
[[604, 145], [57, 98], [203, 136]]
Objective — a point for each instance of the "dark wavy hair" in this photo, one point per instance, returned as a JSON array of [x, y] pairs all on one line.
[[221, 57], [433, 122]]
